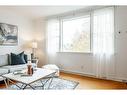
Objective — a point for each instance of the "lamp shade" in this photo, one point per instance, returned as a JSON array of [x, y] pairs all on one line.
[[34, 44]]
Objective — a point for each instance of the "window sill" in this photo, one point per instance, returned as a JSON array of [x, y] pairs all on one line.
[[77, 52]]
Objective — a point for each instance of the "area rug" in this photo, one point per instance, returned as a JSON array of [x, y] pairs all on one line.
[[56, 84]]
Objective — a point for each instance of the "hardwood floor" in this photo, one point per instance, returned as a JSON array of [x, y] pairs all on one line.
[[90, 83], [93, 83]]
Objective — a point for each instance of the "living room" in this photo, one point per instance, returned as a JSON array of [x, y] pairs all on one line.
[[66, 39]]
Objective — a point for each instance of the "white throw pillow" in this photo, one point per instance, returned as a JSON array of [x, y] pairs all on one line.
[[3, 60]]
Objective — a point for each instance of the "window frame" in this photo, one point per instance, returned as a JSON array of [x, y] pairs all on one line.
[[61, 33]]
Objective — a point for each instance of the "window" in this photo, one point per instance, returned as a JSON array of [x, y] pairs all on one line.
[[73, 34], [76, 34]]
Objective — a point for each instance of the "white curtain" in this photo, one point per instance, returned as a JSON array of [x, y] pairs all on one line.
[[52, 38], [103, 42]]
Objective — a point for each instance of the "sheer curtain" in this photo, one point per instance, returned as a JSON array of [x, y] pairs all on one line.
[[103, 42], [52, 38]]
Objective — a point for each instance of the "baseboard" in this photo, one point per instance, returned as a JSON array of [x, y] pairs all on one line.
[[93, 76], [121, 79], [78, 73]]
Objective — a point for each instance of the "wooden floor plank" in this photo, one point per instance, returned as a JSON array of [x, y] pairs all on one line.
[[93, 83]]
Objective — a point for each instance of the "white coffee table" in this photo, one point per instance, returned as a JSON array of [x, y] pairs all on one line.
[[38, 75]]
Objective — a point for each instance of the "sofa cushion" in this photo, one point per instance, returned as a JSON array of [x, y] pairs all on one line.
[[13, 68], [3, 71], [17, 59], [3, 60]]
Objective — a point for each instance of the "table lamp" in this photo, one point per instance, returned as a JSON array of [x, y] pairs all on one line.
[[34, 47]]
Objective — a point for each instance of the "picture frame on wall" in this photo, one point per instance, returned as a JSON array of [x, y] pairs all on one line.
[[8, 34]]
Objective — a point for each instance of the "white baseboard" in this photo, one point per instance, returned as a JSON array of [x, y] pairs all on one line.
[[93, 76], [78, 73], [121, 79]]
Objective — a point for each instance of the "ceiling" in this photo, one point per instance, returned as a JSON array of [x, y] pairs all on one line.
[[40, 11]]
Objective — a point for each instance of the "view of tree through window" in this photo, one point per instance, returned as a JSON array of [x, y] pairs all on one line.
[[76, 35]]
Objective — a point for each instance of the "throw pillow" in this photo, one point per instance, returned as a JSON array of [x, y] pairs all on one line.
[[17, 59]]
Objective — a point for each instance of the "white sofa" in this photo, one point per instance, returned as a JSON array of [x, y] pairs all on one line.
[[5, 66]]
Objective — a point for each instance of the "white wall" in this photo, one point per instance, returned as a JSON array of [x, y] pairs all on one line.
[[121, 42], [39, 35], [25, 31], [82, 63]]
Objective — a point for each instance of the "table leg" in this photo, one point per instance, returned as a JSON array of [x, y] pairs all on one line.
[[6, 83], [15, 84], [31, 86], [50, 82], [43, 84], [24, 87]]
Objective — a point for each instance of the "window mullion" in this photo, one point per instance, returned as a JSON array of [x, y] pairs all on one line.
[[91, 31], [60, 36]]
